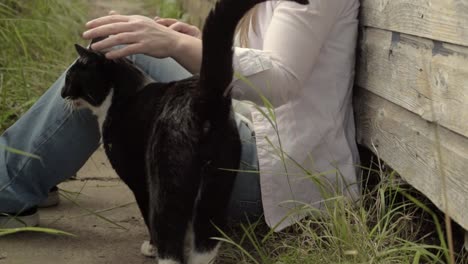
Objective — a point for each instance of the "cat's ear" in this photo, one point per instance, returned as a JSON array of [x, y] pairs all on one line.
[[83, 52], [94, 40]]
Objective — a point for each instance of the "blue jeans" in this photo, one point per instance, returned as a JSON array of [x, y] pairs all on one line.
[[64, 141]]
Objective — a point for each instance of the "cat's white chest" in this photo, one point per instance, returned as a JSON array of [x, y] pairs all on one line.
[[101, 111]]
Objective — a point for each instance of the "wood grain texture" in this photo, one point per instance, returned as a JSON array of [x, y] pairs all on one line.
[[425, 77], [408, 144], [443, 20]]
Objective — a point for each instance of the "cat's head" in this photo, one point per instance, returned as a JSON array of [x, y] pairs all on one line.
[[87, 81], [93, 79]]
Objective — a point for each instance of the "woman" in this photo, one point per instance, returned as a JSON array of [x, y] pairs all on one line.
[[301, 58]]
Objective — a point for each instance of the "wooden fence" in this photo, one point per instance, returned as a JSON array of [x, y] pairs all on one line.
[[412, 94]]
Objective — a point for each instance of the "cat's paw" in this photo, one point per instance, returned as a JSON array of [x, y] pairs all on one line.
[[148, 250], [203, 257]]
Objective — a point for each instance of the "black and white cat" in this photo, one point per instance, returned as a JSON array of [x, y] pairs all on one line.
[[174, 144]]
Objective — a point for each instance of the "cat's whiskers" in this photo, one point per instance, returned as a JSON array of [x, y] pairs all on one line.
[[69, 106], [80, 115]]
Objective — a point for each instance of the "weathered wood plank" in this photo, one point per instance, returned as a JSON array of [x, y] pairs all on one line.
[[443, 20], [427, 78], [408, 144]]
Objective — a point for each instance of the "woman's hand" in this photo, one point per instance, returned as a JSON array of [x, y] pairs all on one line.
[[140, 34], [179, 26]]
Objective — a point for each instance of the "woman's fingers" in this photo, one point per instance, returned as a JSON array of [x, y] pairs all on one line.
[[125, 51], [180, 27], [108, 29], [115, 40], [139, 34], [106, 20], [113, 12], [185, 29], [165, 21]]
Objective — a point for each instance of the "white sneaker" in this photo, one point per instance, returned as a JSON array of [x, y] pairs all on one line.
[[27, 218]]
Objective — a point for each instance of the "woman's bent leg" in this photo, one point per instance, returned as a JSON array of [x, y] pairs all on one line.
[[63, 141], [246, 199]]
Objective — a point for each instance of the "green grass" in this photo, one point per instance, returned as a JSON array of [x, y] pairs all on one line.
[[388, 225], [391, 223], [165, 8], [10, 231], [37, 45]]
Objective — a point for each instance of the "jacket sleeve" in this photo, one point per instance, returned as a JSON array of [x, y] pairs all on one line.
[[291, 46]]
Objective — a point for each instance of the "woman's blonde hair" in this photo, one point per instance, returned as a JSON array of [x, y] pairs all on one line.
[[249, 20]]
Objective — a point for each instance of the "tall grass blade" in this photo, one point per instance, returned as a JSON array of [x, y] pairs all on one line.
[[50, 231], [20, 152]]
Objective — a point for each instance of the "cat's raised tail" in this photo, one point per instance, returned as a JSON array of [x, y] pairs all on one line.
[[218, 33]]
